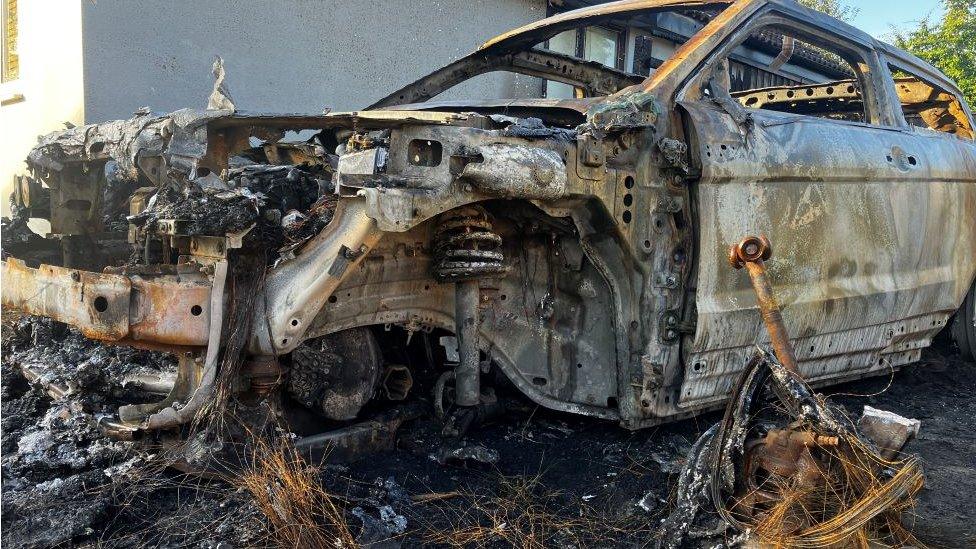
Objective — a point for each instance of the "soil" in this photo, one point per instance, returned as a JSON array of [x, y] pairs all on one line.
[[529, 477]]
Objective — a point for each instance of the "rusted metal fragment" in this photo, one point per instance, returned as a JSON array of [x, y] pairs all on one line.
[[358, 440], [888, 430], [791, 464], [163, 311], [170, 311], [97, 304]]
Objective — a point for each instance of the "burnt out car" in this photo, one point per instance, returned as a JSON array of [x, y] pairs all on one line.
[[574, 248]]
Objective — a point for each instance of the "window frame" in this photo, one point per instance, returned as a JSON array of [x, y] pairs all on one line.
[[888, 61], [874, 95], [620, 58]]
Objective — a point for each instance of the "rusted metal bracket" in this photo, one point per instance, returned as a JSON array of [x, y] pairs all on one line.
[[140, 310]]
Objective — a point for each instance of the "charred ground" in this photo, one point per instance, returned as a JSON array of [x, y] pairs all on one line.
[[531, 477]]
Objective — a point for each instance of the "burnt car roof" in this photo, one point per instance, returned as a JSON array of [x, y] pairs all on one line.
[[551, 26], [534, 32]]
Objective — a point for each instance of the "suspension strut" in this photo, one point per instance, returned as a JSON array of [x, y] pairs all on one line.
[[466, 250]]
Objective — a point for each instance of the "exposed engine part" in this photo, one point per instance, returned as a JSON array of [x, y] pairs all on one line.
[[336, 374], [772, 462], [458, 419], [465, 247], [262, 374], [397, 382], [465, 250], [443, 393]]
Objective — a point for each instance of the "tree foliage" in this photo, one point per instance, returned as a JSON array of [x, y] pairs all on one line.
[[949, 44], [834, 8]]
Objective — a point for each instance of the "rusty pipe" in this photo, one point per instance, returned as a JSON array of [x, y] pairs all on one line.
[[751, 253]]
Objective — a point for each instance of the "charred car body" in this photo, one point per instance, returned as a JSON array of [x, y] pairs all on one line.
[[575, 246]]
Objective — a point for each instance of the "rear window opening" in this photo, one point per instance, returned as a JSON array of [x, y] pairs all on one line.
[[928, 106]]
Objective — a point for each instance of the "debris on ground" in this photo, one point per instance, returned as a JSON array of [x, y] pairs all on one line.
[[466, 453], [887, 430], [547, 463], [792, 470]]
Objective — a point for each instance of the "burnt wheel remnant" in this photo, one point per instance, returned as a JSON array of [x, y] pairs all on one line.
[[336, 374], [964, 326]]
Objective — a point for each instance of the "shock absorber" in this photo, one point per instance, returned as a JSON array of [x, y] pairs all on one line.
[[465, 251]]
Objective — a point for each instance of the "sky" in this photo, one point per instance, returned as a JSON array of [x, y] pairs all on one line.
[[877, 16]]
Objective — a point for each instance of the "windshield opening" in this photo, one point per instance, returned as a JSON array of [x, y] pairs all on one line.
[[594, 57]]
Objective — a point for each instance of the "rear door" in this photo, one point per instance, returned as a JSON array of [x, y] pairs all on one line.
[[871, 224]]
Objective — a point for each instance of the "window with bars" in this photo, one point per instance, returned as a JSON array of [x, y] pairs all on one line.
[[11, 61]]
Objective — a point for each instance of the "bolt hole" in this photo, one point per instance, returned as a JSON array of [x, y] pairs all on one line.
[[540, 381], [333, 299], [579, 366], [294, 322], [503, 297], [626, 216], [196, 310], [912, 160], [629, 182], [284, 341], [100, 304], [628, 200]]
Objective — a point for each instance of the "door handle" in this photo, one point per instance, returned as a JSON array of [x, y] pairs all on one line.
[[902, 160]]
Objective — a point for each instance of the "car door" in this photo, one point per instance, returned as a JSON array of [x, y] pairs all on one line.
[[864, 218]]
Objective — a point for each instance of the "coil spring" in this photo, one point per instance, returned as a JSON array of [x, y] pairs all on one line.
[[465, 248]]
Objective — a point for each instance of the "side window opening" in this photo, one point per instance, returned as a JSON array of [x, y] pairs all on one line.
[[778, 69], [926, 105]]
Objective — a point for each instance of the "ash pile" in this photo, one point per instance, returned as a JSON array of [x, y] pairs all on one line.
[[65, 483]]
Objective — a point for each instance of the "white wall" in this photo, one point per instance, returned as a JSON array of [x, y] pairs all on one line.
[[49, 45], [282, 55]]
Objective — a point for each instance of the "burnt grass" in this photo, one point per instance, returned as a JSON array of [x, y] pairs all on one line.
[[559, 480]]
